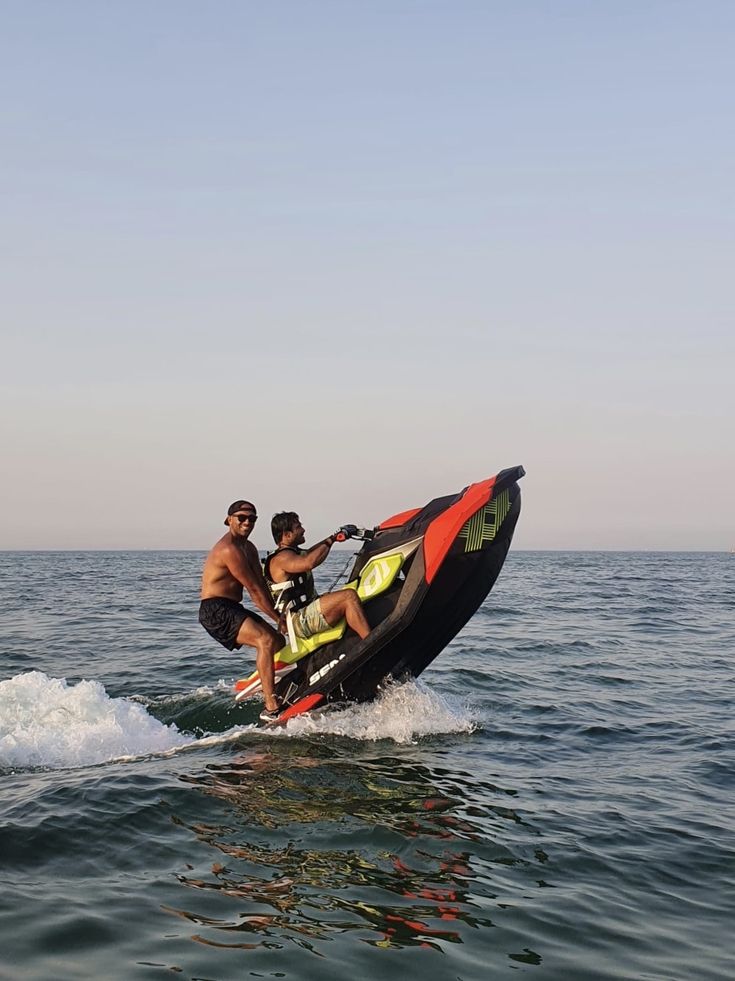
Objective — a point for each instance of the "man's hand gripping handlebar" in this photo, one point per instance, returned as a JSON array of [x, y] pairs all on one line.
[[352, 531]]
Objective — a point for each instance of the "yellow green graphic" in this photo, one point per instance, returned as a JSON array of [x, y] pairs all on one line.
[[483, 526]]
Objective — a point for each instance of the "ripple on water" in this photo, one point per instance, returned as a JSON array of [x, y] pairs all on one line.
[[554, 799]]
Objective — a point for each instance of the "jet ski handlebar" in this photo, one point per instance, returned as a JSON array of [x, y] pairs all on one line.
[[352, 531]]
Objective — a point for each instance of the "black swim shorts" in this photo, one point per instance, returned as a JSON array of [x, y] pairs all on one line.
[[222, 619]]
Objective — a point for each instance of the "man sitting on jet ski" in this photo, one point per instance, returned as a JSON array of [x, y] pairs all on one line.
[[288, 573]]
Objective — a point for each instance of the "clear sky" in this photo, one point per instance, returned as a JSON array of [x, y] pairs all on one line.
[[343, 257]]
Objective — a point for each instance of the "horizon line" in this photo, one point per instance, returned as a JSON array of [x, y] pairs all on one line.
[[654, 549]]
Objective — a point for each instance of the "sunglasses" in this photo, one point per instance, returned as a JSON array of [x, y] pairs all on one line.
[[242, 518]]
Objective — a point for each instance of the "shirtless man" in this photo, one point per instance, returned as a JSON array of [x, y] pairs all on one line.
[[232, 564], [289, 564]]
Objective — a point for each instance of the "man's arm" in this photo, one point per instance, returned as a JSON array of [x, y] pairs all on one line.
[[248, 574], [288, 561]]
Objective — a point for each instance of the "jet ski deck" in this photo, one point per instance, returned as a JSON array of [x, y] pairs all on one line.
[[377, 576]]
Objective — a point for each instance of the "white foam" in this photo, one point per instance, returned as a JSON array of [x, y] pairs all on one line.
[[403, 713], [46, 722]]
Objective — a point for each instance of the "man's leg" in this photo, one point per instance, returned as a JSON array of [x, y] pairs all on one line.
[[267, 643], [345, 603]]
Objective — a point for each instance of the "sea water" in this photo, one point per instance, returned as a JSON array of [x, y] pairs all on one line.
[[553, 798]]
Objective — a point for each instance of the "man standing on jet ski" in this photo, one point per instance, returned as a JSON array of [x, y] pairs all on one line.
[[232, 564], [288, 572]]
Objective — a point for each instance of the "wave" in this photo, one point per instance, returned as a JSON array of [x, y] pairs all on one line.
[[403, 713], [47, 723]]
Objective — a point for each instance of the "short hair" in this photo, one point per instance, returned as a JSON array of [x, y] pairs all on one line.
[[281, 523]]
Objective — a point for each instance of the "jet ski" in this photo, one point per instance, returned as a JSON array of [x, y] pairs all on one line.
[[421, 575]]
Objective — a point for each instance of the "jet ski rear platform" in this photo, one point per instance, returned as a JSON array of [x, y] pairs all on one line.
[[421, 575]]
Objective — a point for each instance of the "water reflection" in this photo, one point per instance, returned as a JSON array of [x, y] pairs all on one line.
[[316, 845]]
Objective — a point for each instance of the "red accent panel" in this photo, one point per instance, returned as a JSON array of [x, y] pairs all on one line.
[[303, 705], [399, 519], [443, 530]]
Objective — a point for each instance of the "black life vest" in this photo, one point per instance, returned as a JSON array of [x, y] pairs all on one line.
[[294, 594]]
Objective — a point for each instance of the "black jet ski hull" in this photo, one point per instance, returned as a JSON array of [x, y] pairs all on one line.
[[459, 544]]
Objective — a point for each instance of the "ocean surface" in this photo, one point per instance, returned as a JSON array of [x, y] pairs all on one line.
[[554, 798]]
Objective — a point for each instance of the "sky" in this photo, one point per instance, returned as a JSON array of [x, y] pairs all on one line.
[[342, 258]]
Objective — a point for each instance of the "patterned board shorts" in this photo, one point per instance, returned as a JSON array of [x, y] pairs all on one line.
[[309, 621]]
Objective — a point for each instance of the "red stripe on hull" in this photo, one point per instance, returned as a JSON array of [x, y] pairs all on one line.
[[399, 519], [305, 705], [443, 530]]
